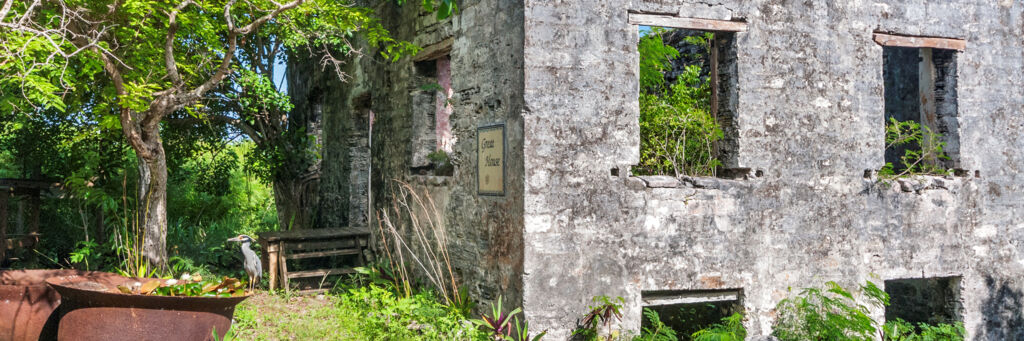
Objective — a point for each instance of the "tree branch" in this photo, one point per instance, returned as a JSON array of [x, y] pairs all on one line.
[[131, 133], [172, 29], [233, 33]]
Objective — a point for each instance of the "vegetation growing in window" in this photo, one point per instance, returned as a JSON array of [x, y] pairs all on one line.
[[900, 330], [922, 149], [833, 314], [440, 163], [677, 127], [730, 329]]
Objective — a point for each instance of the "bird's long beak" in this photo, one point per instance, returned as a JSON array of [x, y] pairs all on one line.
[[235, 239]]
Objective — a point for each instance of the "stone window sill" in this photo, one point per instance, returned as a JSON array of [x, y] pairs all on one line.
[[918, 183], [699, 182]]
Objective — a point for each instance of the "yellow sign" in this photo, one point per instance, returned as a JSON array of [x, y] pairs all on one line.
[[490, 163]]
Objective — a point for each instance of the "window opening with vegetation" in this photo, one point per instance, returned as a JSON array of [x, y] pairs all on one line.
[[924, 300], [686, 89], [836, 313], [432, 109], [687, 312], [921, 127]]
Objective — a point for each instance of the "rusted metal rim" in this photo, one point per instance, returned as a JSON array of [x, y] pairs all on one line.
[[92, 308], [90, 291]]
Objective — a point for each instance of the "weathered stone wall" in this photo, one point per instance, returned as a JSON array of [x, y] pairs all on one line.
[[343, 139], [809, 114], [484, 232]]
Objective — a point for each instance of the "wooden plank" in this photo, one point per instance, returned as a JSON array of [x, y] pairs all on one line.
[[324, 245], [435, 51], [320, 273], [319, 254], [886, 39], [295, 235], [662, 20], [33, 213], [281, 263], [272, 260], [21, 243], [692, 298]]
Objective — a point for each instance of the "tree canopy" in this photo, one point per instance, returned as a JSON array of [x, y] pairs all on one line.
[[130, 64]]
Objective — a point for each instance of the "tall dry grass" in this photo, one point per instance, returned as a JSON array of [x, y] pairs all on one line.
[[412, 231]]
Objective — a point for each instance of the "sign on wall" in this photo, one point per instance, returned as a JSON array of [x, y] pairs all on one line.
[[490, 163]]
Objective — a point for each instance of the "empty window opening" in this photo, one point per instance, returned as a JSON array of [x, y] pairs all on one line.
[[431, 117], [687, 97], [687, 312], [920, 87], [924, 300]]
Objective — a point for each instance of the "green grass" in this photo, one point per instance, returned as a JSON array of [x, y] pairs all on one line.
[[282, 317], [364, 313]]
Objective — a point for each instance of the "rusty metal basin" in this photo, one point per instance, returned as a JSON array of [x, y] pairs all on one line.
[[92, 310], [27, 303]]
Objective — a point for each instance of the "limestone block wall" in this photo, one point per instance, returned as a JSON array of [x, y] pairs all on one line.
[[809, 116]]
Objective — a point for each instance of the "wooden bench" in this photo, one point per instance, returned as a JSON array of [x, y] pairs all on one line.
[[284, 246]]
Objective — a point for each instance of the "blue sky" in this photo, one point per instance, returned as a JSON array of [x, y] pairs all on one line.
[[279, 76]]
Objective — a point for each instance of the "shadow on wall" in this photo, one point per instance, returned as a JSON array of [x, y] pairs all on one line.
[[1004, 319]]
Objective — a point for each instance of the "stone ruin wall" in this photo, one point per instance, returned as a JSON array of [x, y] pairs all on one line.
[[808, 124], [809, 117], [485, 41]]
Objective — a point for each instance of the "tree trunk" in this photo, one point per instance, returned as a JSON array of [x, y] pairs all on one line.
[[296, 200], [153, 204]]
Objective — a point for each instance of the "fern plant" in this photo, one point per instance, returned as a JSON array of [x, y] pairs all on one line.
[[924, 149], [730, 329], [901, 330], [658, 331], [828, 314]]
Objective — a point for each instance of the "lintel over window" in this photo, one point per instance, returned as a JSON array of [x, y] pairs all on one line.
[[435, 51], [886, 39], [687, 23]]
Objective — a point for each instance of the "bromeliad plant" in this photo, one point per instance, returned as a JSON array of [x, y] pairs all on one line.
[[502, 326], [499, 324]]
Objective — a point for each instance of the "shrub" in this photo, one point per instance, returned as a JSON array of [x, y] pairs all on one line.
[[829, 314], [900, 330], [677, 128], [833, 314], [923, 149], [731, 329]]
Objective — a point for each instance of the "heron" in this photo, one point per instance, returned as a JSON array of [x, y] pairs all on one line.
[[251, 263]]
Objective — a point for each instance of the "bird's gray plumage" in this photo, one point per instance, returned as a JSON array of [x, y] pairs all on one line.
[[252, 264], [251, 261]]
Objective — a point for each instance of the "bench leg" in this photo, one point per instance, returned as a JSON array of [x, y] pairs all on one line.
[[272, 269], [284, 268]]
